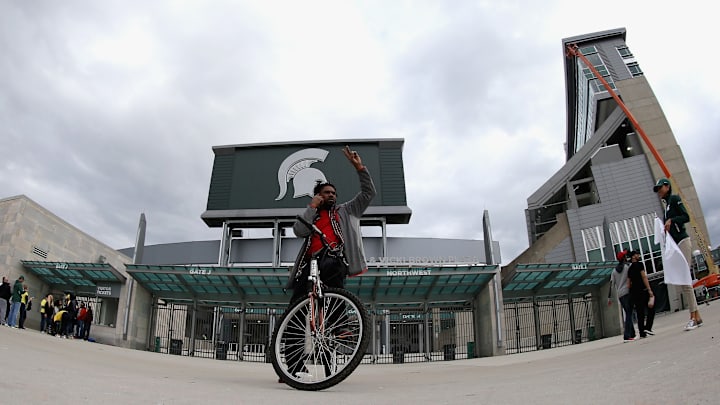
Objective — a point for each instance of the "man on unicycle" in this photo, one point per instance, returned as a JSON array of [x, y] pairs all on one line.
[[340, 255]]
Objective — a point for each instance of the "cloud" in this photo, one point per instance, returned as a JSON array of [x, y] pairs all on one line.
[[112, 110]]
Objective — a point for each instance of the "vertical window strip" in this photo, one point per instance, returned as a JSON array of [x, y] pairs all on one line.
[[626, 232], [636, 230], [585, 244], [601, 244]]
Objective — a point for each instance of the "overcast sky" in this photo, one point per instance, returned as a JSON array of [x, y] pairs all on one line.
[[110, 109]]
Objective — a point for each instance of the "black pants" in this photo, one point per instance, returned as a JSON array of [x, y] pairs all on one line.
[[23, 316], [650, 319], [295, 340], [645, 315], [86, 330]]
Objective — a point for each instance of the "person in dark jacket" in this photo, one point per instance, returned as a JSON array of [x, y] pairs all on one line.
[[72, 310], [15, 299], [5, 294], [676, 216], [640, 292]]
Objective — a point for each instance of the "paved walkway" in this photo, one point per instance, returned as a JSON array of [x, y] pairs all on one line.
[[673, 367]]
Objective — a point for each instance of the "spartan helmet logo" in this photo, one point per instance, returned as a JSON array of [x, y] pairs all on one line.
[[296, 167]]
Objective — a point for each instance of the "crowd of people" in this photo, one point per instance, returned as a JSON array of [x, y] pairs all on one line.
[[64, 318]]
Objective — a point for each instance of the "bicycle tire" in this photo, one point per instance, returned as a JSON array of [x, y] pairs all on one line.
[[324, 347]]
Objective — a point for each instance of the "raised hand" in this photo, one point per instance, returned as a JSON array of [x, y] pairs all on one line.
[[353, 157]]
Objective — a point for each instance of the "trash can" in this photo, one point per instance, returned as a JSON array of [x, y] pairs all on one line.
[[221, 351], [578, 336], [449, 352], [398, 357], [546, 341], [157, 344], [176, 346], [591, 333], [470, 350]]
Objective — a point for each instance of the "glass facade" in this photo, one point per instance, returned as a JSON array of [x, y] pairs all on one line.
[[587, 87], [633, 233]]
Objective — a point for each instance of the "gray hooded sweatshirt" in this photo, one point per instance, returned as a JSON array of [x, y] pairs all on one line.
[[349, 214], [619, 279]]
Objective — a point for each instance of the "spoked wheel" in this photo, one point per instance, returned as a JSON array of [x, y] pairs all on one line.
[[319, 342]]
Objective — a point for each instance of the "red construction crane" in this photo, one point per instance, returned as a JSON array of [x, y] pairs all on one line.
[[573, 50]]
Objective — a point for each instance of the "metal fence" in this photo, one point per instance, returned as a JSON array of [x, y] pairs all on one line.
[[400, 334], [546, 322]]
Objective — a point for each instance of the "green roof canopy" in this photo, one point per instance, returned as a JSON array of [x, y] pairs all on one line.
[[74, 276], [252, 285], [557, 279]]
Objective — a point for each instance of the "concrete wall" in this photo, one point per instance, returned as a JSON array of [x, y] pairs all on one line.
[[486, 320], [641, 101], [557, 237]]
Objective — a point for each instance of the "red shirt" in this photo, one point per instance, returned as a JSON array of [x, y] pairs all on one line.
[[323, 223]]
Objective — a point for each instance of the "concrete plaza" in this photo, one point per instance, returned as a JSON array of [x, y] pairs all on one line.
[[672, 367]]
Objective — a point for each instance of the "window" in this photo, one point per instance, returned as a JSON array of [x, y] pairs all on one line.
[[595, 256], [633, 234], [624, 51], [634, 69]]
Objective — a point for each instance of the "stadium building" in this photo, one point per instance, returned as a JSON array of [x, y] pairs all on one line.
[[601, 201], [429, 298]]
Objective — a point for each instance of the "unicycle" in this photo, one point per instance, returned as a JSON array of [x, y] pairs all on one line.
[[320, 340]]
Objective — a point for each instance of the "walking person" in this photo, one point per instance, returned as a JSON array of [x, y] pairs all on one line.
[[15, 302], [619, 282], [640, 292], [340, 224], [5, 294], [675, 218]]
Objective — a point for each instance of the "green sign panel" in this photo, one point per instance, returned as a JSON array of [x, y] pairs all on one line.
[[276, 180]]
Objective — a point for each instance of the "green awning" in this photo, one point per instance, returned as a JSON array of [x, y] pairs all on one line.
[[252, 285], [532, 280], [68, 276]]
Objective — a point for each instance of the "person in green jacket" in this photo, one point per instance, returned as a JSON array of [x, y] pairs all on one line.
[[17, 292], [676, 216]]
